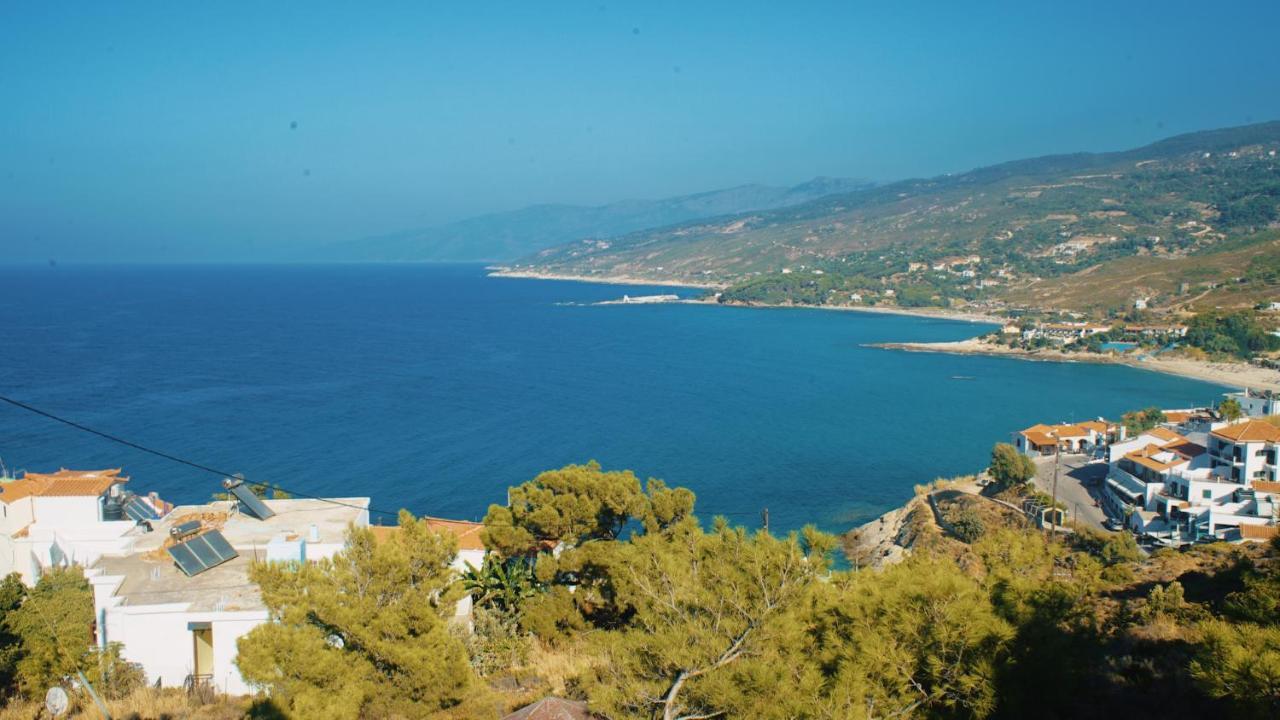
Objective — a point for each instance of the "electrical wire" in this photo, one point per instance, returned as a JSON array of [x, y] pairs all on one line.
[[222, 473]]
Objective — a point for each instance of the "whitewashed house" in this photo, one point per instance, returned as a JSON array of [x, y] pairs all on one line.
[[179, 614], [180, 623], [1256, 403], [1041, 439], [1181, 491], [58, 519]]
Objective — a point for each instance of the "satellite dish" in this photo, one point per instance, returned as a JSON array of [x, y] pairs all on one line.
[[56, 702]]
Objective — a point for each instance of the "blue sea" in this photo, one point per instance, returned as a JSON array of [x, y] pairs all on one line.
[[434, 388]]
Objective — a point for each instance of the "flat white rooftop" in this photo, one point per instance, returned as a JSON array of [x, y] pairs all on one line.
[[243, 531], [150, 576]]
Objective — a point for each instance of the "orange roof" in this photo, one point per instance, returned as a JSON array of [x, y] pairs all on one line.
[[1097, 426], [1249, 431], [1265, 486], [1042, 434], [1164, 434], [1146, 457], [468, 533], [1177, 416], [1038, 438], [64, 483], [1069, 431]]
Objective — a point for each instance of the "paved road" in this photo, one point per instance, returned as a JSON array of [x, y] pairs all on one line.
[[1079, 486]]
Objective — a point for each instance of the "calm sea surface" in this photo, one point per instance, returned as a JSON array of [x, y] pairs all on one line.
[[435, 388]]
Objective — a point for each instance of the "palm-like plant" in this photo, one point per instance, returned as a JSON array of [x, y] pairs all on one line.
[[502, 584]]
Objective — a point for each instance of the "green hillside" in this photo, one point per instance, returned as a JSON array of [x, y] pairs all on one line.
[[1018, 232]]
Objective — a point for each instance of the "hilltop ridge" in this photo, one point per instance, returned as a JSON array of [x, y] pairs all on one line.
[[508, 235], [1019, 233]]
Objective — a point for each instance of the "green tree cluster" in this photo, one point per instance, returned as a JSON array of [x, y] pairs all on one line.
[[363, 634], [1239, 334], [1139, 421], [1010, 467], [685, 621], [47, 639]]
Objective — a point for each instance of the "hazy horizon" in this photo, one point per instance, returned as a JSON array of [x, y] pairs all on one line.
[[236, 133]]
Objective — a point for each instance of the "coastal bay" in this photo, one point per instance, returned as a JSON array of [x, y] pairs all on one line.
[[435, 387]]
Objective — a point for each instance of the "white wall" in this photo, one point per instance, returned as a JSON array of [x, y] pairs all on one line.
[[16, 515], [158, 638], [68, 512]]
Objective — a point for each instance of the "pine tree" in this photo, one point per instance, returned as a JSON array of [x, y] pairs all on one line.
[[363, 634]]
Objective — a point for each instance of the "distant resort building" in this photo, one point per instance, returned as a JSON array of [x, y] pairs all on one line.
[[1257, 403], [1068, 438], [1179, 490]]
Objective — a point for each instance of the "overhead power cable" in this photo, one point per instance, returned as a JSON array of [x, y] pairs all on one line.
[[222, 473]]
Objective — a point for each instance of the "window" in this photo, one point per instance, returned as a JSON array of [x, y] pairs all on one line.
[[1206, 494]]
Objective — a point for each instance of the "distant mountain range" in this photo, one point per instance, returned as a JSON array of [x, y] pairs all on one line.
[[1163, 217], [509, 235]]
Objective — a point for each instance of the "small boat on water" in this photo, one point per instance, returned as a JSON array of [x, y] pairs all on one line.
[[962, 377]]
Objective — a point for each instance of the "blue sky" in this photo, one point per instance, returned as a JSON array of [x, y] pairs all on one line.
[[165, 131]]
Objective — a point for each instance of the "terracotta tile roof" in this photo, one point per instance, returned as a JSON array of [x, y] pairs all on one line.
[[1042, 434], [468, 533], [1155, 458], [1067, 431], [1097, 426], [1038, 438], [552, 708], [1177, 416], [64, 483], [1249, 431], [1164, 434], [1265, 486]]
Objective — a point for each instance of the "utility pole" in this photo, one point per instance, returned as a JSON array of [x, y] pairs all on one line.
[[764, 518], [1053, 509]]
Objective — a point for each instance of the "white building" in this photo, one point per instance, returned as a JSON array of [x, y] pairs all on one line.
[[62, 518], [1041, 439], [182, 629], [1245, 451], [1256, 403], [1179, 491]]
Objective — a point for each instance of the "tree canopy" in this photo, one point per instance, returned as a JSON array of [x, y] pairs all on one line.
[[363, 634], [1010, 467]]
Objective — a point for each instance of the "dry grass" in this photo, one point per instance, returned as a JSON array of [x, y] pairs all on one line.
[[557, 667], [143, 704]]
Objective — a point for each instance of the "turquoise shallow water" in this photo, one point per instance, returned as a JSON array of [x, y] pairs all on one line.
[[435, 387]]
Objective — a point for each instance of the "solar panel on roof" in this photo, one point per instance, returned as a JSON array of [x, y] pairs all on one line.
[[139, 510], [202, 552], [186, 559], [185, 530], [252, 503]]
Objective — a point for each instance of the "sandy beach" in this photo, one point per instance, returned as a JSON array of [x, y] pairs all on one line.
[[935, 313], [1223, 373]]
